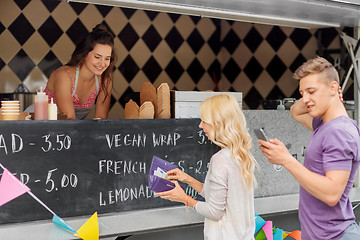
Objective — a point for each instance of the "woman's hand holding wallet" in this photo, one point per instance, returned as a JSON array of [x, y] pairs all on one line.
[[177, 174], [177, 194]]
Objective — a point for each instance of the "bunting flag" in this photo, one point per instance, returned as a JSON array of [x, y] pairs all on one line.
[[278, 234], [266, 231], [261, 235], [10, 187], [259, 223], [295, 234], [58, 221], [285, 234], [90, 229]]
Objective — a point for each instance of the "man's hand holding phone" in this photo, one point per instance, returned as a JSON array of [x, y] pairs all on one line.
[[260, 134], [273, 149]]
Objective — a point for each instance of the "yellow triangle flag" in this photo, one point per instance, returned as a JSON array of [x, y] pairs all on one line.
[[285, 235], [90, 229]]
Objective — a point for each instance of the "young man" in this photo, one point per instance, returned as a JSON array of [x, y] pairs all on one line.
[[332, 156]]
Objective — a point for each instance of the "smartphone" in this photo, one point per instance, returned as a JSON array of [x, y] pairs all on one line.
[[260, 134]]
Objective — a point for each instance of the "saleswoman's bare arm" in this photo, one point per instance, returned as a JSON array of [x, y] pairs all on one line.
[[103, 103]]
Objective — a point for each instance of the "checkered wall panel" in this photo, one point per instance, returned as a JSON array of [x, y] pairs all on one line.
[[187, 52]]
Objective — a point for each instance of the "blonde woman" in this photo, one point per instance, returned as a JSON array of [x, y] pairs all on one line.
[[229, 184]]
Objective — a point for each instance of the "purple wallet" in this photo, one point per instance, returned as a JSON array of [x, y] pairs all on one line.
[[158, 184]]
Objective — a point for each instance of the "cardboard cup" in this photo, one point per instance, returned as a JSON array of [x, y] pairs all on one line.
[[10, 116], [6, 105], [10, 102], [11, 108]]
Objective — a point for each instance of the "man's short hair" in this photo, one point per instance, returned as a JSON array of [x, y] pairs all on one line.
[[317, 65]]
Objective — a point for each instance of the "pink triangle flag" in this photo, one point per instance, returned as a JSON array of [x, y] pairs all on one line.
[[268, 230], [10, 187]]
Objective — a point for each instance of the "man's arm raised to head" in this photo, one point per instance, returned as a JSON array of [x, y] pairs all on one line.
[[300, 113]]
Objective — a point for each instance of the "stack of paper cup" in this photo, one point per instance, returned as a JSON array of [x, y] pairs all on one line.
[[10, 110]]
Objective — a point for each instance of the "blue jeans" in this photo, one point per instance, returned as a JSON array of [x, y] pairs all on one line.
[[351, 233]]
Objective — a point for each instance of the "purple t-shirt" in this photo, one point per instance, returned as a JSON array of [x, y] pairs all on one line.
[[333, 146]]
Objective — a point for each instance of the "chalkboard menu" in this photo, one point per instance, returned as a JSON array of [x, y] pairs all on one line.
[[79, 167]]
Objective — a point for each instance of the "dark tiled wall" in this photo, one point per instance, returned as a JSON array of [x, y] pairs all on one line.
[[187, 52]]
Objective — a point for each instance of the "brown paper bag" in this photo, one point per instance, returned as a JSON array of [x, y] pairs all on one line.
[[148, 94], [146, 110], [131, 110], [163, 101]]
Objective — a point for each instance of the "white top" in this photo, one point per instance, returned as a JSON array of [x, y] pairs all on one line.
[[228, 208]]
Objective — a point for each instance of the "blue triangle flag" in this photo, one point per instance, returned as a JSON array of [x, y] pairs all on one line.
[[57, 220], [259, 223], [278, 234]]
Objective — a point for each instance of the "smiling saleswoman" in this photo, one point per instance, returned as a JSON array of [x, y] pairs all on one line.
[[86, 78]]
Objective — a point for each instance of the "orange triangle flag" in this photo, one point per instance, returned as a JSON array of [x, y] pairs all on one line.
[[90, 229], [296, 234], [10, 187]]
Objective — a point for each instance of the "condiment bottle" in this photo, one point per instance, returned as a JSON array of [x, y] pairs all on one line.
[[52, 110], [281, 106], [41, 105]]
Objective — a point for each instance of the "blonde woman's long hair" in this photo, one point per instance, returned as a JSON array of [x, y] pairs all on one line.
[[229, 131]]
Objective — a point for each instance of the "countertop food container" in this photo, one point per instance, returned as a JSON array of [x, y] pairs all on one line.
[[186, 104], [25, 97]]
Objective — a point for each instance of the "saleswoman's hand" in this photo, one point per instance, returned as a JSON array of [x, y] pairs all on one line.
[[176, 195], [177, 174]]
